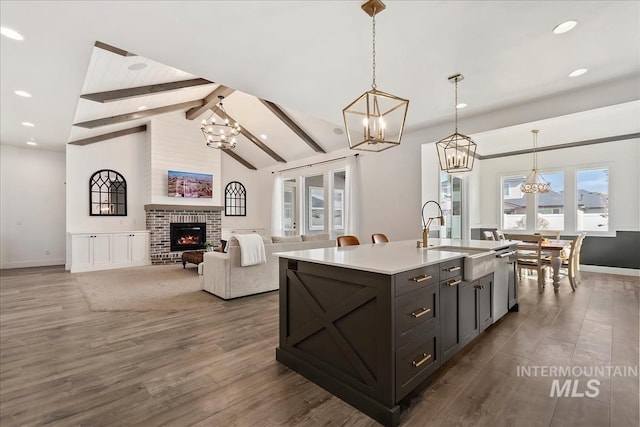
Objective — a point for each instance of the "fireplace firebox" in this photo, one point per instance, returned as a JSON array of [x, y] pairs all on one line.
[[187, 236]]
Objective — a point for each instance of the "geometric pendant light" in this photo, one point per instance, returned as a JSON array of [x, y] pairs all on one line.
[[375, 120], [535, 183], [456, 152]]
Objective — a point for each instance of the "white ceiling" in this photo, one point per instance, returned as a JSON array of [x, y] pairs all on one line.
[[314, 57]]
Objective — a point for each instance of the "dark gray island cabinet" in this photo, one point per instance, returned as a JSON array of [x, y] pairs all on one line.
[[370, 329]]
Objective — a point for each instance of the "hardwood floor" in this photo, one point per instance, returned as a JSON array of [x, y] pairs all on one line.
[[63, 364]]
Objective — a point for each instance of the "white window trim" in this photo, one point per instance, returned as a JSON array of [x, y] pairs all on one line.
[[570, 203]]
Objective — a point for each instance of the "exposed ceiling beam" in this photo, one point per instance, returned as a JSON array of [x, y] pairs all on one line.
[[209, 102], [113, 49], [261, 145], [138, 114], [279, 113], [120, 94], [562, 146], [110, 135], [235, 155]]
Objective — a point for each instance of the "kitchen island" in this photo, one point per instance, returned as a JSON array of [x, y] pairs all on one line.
[[370, 323]]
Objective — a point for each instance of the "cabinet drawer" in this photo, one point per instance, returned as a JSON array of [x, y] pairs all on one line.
[[416, 312], [450, 269], [415, 279], [416, 361]]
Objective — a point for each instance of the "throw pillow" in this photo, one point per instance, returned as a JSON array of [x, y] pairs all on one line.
[[224, 245], [312, 237], [286, 239]]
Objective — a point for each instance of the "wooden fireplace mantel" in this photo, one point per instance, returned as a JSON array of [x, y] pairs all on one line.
[[159, 207]]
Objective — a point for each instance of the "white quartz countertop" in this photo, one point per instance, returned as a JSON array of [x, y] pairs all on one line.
[[390, 258]]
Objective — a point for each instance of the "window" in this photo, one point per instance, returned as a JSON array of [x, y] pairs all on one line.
[[551, 204], [592, 200], [107, 194], [451, 204], [315, 204], [338, 209], [289, 207], [553, 211], [339, 181], [514, 204]]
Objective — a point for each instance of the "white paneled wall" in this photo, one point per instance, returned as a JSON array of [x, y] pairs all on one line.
[[177, 144]]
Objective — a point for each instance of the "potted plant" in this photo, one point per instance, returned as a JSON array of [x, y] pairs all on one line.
[[210, 246]]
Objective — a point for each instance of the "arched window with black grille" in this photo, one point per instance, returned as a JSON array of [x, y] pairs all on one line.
[[107, 194], [235, 199]]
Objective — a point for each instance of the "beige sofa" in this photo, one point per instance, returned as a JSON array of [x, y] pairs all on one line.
[[226, 278]]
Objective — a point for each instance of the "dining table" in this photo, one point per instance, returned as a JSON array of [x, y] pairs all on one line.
[[557, 249]]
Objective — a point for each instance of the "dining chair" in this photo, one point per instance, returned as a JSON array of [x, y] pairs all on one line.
[[347, 240], [530, 256], [379, 238], [499, 235], [488, 235], [555, 235], [571, 263], [576, 261]]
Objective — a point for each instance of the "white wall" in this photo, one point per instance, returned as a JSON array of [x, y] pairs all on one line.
[[126, 155], [32, 208], [622, 158], [177, 144], [259, 186]]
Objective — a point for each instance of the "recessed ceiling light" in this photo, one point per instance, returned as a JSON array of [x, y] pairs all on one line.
[[461, 105], [564, 27], [142, 107], [263, 136], [22, 93], [137, 66], [577, 73], [28, 124], [12, 34], [32, 143]]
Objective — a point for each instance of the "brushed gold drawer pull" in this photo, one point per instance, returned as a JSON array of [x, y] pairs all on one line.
[[425, 357], [422, 312], [419, 279], [454, 282], [450, 269]]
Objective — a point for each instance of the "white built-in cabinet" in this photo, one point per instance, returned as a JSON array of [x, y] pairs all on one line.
[[102, 251]]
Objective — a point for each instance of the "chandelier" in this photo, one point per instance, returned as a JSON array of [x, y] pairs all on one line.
[[220, 134], [375, 120], [456, 152], [535, 183]]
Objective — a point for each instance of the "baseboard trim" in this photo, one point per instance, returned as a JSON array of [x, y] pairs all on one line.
[[34, 263], [610, 270]]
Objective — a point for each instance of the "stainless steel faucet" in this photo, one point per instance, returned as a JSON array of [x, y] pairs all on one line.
[[426, 224]]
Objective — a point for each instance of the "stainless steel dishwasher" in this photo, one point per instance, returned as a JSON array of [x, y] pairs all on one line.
[[505, 289]]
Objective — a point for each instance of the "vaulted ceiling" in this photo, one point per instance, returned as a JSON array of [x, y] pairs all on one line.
[[309, 59]]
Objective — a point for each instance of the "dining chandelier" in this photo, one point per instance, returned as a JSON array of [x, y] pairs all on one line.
[[220, 134], [456, 152], [375, 120], [535, 183]]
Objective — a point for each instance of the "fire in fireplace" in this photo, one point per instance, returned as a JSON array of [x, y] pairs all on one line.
[[187, 236]]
